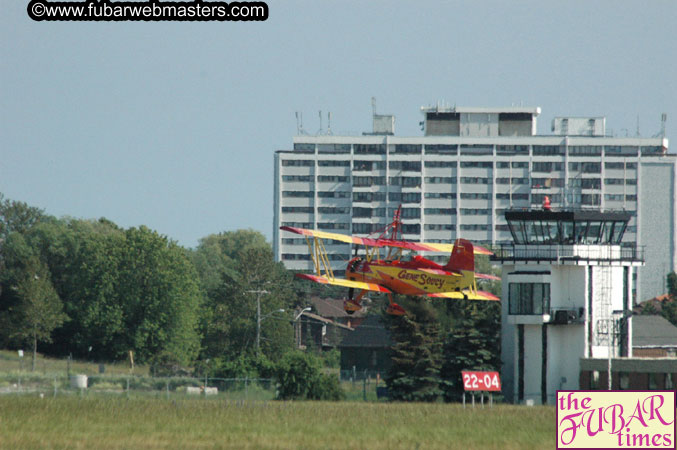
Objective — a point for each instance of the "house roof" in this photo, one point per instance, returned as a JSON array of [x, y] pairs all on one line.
[[325, 321], [653, 331], [656, 302], [333, 307], [370, 333]]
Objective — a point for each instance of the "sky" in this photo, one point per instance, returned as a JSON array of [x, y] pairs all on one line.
[[174, 125]]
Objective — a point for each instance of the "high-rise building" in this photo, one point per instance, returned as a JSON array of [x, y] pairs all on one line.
[[468, 168]]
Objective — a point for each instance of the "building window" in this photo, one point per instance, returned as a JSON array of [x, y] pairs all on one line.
[[407, 149], [440, 180], [474, 196], [304, 148], [477, 164], [298, 224], [440, 164], [404, 197], [520, 164], [475, 211], [529, 298], [546, 166], [362, 212], [512, 150], [295, 257], [411, 229], [548, 150], [331, 179], [585, 150], [585, 167], [333, 148], [405, 181], [333, 210], [441, 150], [298, 163], [302, 194], [440, 227], [474, 227], [333, 194], [444, 195], [474, 180], [405, 165], [370, 149], [298, 209], [411, 213], [297, 178], [331, 163], [333, 226], [440, 211]]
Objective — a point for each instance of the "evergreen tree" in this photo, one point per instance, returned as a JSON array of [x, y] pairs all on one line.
[[472, 343], [416, 354]]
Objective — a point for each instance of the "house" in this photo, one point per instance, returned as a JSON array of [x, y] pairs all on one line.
[[364, 351], [653, 336], [317, 332]]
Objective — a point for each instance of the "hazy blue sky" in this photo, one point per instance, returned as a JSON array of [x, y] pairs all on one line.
[[174, 125]]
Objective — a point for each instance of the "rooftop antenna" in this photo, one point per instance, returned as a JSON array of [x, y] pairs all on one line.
[[329, 122], [320, 114], [664, 118], [373, 106], [637, 132], [299, 123]]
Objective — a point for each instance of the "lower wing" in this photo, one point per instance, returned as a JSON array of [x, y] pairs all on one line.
[[345, 283], [477, 295]]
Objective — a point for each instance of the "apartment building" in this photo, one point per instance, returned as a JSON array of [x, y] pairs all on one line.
[[468, 168]]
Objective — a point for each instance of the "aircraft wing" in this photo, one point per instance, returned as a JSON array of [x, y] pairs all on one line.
[[345, 283], [416, 246], [478, 295], [484, 276]]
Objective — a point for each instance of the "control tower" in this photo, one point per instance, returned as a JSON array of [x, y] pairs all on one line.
[[566, 295]]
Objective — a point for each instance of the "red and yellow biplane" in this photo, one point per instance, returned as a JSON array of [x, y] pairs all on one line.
[[417, 277]]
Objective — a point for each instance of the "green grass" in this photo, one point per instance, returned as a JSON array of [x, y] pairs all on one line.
[[11, 363], [113, 422]]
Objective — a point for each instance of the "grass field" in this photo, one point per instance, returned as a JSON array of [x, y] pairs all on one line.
[[143, 423]]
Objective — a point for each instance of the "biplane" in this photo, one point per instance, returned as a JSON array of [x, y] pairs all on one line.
[[392, 273]]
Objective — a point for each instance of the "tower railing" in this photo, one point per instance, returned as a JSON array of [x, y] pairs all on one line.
[[563, 253]]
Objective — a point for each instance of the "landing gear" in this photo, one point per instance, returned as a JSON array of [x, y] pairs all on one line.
[[393, 308], [351, 305]]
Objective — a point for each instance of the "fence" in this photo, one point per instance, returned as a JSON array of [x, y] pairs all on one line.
[[58, 384]]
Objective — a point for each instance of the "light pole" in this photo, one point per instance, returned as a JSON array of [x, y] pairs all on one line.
[[258, 293], [297, 329], [260, 318]]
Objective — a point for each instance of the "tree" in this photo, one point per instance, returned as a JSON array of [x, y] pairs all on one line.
[[672, 284], [232, 266], [17, 216], [39, 310], [415, 354], [472, 343]]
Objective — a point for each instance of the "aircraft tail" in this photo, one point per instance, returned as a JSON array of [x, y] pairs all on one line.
[[462, 257]]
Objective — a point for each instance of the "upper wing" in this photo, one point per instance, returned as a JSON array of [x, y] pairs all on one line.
[[344, 283], [478, 295], [416, 246], [484, 276]]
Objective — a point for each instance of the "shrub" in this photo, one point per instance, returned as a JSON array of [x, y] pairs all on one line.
[[299, 377]]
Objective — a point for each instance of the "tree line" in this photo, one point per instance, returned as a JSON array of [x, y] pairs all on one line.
[[94, 290]]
